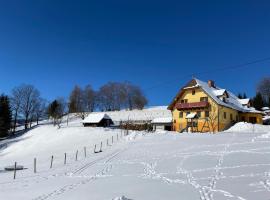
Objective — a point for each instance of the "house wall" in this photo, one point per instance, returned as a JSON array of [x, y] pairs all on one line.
[[181, 123], [232, 116], [217, 120], [247, 116]]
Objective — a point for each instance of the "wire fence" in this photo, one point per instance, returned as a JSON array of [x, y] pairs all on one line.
[[97, 148]]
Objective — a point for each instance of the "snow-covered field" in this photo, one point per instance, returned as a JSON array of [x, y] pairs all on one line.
[[231, 165]]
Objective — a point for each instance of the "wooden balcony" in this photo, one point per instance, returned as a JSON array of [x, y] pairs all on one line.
[[202, 104]]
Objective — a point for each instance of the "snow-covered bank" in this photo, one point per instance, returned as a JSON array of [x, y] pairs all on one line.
[[247, 127], [231, 165]]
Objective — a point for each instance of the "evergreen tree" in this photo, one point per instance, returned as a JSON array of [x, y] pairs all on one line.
[[5, 116], [258, 101], [239, 96], [56, 111], [244, 96], [52, 110]]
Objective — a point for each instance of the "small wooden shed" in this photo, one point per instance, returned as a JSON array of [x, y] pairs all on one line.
[[163, 123], [97, 120]]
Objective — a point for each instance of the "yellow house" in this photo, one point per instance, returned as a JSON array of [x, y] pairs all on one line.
[[204, 107]]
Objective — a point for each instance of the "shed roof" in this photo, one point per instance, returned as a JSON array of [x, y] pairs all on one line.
[[95, 117], [162, 120]]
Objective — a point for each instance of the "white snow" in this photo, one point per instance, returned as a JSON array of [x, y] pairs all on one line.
[[191, 115], [219, 92], [231, 165], [247, 127], [162, 120], [95, 117], [147, 114], [244, 101], [265, 108], [232, 102]]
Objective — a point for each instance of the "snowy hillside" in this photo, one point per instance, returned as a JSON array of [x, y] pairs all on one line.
[[232, 165], [147, 114]]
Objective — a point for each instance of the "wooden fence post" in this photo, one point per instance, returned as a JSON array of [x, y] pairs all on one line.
[[51, 162], [76, 155], [107, 142], [35, 165], [15, 168], [85, 152], [65, 159], [100, 147], [95, 148]]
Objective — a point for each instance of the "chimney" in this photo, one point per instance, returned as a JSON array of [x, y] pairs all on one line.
[[211, 83]]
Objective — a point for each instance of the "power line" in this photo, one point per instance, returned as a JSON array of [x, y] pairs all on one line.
[[233, 67]]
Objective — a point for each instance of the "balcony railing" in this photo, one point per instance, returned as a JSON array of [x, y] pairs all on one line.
[[202, 104]]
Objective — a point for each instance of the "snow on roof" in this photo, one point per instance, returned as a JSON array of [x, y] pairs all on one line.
[[232, 101], [266, 118], [95, 117], [219, 92], [191, 116], [244, 101], [162, 120], [265, 108]]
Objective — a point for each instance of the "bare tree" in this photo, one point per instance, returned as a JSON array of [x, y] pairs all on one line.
[[39, 109], [76, 101], [106, 97], [89, 99], [29, 98], [16, 100], [213, 118], [135, 97], [263, 88], [116, 96]]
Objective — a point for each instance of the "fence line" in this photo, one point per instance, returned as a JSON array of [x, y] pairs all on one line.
[[76, 156]]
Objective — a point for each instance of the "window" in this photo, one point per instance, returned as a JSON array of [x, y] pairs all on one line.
[[204, 99], [181, 115], [174, 121], [237, 118], [184, 101], [206, 113], [193, 92], [231, 117], [224, 115], [199, 114], [243, 119]]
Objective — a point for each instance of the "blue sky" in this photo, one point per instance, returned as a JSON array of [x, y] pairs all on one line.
[[154, 44]]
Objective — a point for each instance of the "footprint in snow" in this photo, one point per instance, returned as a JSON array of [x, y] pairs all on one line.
[[121, 198]]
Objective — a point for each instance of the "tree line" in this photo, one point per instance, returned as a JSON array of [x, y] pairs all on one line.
[[26, 104], [262, 97], [112, 96]]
